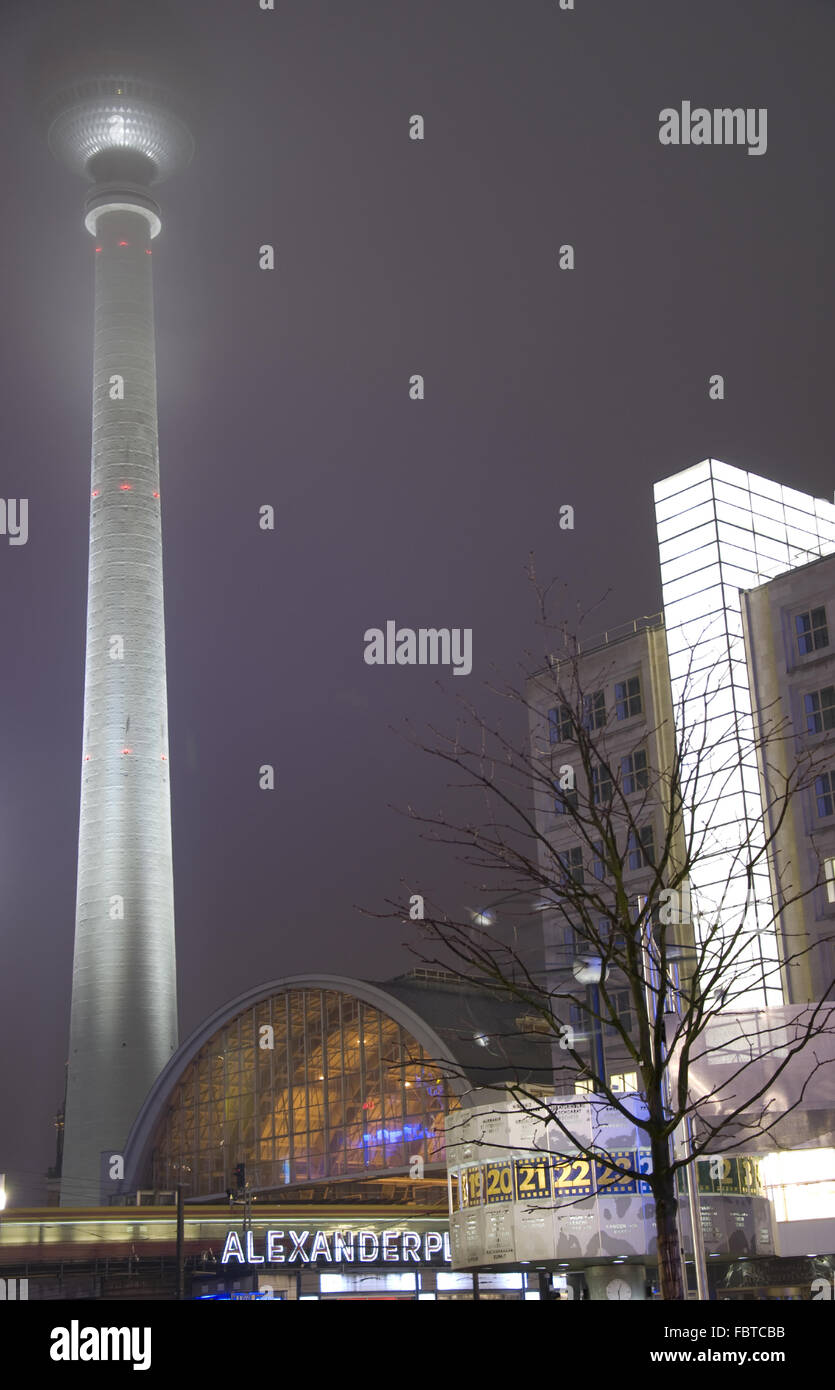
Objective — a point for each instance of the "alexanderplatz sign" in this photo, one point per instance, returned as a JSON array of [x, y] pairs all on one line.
[[294, 1246]]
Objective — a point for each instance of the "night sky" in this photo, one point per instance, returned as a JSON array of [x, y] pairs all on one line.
[[291, 387]]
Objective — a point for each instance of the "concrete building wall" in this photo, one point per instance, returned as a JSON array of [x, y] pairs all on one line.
[[638, 650], [782, 676]]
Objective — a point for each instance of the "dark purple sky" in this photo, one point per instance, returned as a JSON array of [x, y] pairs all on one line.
[[542, 387]]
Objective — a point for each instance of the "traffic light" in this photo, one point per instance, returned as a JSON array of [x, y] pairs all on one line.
[[240, 1176]]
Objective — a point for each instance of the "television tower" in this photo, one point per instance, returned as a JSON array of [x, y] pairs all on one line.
[[111, 117]]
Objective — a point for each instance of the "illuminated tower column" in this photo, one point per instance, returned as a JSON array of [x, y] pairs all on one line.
[[121, 133], [721, 530]]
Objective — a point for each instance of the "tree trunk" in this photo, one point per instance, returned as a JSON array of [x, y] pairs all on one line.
[[670, 1259]]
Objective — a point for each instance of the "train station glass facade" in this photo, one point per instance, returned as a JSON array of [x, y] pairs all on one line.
[[305, 1086]]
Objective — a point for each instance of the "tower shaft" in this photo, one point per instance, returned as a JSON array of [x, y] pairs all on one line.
[[123, 1023]]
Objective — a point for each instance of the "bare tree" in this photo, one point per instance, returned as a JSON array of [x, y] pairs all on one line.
[[602, 839]]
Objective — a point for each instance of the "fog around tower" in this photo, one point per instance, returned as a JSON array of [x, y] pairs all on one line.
[[147, 39]]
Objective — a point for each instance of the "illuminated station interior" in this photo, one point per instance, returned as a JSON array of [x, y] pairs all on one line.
[[304, 1123]]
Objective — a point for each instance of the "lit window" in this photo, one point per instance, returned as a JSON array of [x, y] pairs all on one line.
[[594, 710], [628, 701], [624, 1081], [812, 632], [829, 874], [560, 724], [820, 710], [571, 863], [634, 772], [825, 793], [583, 1088], [601, 784], [641, 848]]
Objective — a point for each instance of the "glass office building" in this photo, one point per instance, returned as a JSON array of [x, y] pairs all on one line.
[[722, 530]]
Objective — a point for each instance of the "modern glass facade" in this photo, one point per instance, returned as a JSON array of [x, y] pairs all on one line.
[[304, 1086], [721, 530]]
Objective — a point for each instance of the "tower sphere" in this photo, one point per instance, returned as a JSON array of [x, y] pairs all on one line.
[[113, 92], [114, 125]]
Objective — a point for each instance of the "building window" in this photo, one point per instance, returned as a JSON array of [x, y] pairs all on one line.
[[598, 863], [641, 848], [829, 874], [571, 863], [601, 784], [812, 632], [621, 1007], [611, 939], [624, 1081], [628, 701], [825, 793], [563, 799], [634, 772], [560, 724], [594, 710], [583, 1088], [820, 710]]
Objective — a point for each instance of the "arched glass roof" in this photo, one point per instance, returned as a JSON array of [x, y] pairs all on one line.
[[308, 1084]]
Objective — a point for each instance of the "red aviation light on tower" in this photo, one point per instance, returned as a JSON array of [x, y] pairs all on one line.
[[126, 487]]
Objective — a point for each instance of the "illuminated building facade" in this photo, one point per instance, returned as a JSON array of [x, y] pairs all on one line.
[[737, 678], [322, 1085], [737, 673], [306, 1085], [721, 531], [789, 628], [304, 1124]]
